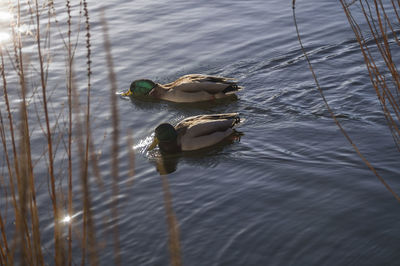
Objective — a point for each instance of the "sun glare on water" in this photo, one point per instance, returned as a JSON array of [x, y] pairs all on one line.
[[67, 219], [5, 18], [4, 36], [144, 143]]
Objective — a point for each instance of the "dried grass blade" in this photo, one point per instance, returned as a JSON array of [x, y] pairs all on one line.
[[115, 143]]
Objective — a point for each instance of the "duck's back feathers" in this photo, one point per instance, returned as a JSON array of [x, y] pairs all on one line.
[[205, 130], [210, 84]]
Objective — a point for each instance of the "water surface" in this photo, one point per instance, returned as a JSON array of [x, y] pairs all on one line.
[[292, 191]]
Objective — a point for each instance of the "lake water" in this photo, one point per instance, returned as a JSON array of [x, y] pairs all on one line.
[[291, 191]]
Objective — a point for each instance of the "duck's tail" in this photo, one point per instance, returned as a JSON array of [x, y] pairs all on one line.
[[232, 88], [234, 117]]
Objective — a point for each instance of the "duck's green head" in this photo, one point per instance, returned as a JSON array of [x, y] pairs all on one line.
[[141, 87], [165, 135]]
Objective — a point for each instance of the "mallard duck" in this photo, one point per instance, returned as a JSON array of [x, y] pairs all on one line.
[[194, 132], [186, 89]]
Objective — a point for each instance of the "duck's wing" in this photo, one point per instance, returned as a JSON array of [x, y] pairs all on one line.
[[191, 144], [210, 84], [205, 130], [201, 125]]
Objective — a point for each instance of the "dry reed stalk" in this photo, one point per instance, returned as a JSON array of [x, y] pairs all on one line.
[[115, 143], [89, 85], [4, 249], [31, 247], [27, 242], [69, 149], [23, 238], [389, 22], [173, 227], [19, 163], [11, 174], [22, 229], [386, 89], [88, 233], [369, 165], [6, 252], [395, 10], [59, 254], [10, 116], [88, 227]]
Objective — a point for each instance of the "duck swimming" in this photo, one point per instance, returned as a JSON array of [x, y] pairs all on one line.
[[194, 132], [186, 89]]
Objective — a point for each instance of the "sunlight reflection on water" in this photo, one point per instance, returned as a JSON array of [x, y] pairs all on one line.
[[5, 19], [25, 29], [69, 218], [281, 196], [5, 16], [144, 143], [4, 36]]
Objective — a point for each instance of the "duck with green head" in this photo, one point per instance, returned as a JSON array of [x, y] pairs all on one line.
[[189, 88], [194, 132]]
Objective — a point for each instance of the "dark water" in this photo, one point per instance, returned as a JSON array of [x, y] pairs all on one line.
[[292, 191]]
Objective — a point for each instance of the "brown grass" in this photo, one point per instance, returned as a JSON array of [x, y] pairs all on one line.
[[173, 226], [69, 148], [390, 104], [381, 28], [22, 244], [115, 142]]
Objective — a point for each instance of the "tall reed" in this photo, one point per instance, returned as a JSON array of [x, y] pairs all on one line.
[[384, 78], [23, 243], [378, 79], [173, 226], [69, 148], [115, 142], [25, 170], [43, 73]]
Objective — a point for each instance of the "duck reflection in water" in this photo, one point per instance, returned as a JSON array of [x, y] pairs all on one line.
[[167, 163], [194, 137]]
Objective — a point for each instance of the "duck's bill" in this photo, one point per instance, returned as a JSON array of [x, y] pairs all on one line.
[[153, 144], [128, 93]]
